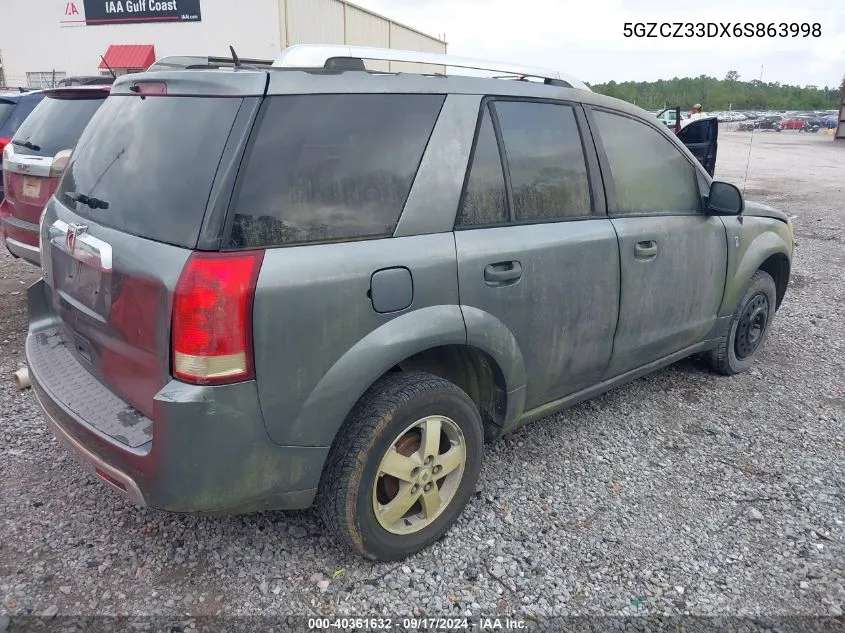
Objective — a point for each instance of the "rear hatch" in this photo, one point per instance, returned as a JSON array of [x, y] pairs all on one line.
[[13, 110], [34, 158], [142, 190]]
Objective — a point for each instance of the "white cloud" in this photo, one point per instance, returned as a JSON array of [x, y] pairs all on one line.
[[585, 38]]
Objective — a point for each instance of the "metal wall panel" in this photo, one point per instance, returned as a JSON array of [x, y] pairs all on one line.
[[251, 26], [406, 39], [366, 29], [338, 22], [314, 21]]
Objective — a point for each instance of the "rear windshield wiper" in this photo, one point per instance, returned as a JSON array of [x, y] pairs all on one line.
[[94, 203], [28, 145]]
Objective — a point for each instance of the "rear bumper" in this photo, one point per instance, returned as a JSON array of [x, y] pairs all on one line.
[[208, 451], [118, 480], [24, 251], [21, 239]]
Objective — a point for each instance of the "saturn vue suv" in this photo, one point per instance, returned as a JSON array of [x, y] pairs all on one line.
[[311, 283]]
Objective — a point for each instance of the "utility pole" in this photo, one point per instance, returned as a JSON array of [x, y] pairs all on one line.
[[840, 126]]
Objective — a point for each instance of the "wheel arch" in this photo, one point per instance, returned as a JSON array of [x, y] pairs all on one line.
[[433, 339], [778, 266], [472, 369], [767, 251]]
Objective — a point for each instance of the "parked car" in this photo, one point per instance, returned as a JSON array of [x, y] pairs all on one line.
[[763, 122], [34, 160], [769, 122], [14, 108], [669, 117], [275, 287], [811, 124], [793, 122]]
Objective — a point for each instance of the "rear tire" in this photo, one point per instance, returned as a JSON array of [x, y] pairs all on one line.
[[749, 327], [424, 429]]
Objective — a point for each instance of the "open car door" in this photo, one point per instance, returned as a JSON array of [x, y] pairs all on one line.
[[701, 138]]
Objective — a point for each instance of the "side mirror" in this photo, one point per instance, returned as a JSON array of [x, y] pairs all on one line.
[[725, 199]]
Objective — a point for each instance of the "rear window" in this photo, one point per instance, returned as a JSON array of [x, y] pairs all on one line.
[[6, 108], [152, 161], [328, 167], [56, 124], [18, 114]]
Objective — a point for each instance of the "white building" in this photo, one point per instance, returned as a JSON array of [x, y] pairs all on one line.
[[46, 40]]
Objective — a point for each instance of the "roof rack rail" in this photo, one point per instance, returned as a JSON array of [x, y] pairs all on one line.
[[327, 55]]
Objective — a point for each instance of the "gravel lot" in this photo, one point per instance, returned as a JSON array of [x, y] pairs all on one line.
[[684, 492]]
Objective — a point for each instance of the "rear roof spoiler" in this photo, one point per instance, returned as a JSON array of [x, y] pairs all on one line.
[[78, 91], [199, 62]]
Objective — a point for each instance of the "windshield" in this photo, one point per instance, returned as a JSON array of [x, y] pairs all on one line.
[[55, 125], [145, 166]]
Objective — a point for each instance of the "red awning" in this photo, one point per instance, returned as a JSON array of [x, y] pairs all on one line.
[[129, 56]]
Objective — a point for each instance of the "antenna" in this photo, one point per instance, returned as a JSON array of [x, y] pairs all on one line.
[[750, 143], [109, 67], [235, 59]]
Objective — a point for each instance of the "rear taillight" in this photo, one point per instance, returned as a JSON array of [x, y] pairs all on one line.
[[4, 142], [7, 151], [60, 161], [212, 318]]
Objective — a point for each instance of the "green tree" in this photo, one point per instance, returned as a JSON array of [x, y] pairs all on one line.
[[720, 94]]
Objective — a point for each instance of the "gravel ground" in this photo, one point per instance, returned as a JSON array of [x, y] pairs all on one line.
[[684, 492]]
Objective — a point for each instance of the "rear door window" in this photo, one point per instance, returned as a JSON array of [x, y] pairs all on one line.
[[545, 158], [152, 161], [330, 166], [56, 124]]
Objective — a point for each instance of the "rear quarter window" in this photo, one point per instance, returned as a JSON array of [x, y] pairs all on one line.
[[329, 167]]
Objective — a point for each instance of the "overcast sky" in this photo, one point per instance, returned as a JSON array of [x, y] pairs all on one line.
[[585, 37]]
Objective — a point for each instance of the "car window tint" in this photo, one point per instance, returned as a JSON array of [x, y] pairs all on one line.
[[485, 199], [56, 124], [325, 167], [6, 108], [545, 158], [153, 161], [17, 116], [649, 173]]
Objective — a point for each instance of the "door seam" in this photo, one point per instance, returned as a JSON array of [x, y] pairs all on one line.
[[618, 300], [458, 286]]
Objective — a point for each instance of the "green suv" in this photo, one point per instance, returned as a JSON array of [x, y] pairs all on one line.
[[272, 284]]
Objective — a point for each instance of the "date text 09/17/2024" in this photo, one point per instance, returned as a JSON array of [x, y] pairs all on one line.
[[417, 624]]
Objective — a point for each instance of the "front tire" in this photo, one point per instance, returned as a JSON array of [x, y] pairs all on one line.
[[749, 327], [402, 467]]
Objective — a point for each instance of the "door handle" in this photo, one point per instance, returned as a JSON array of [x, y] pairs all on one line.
[[503, 273], [646, 249]]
